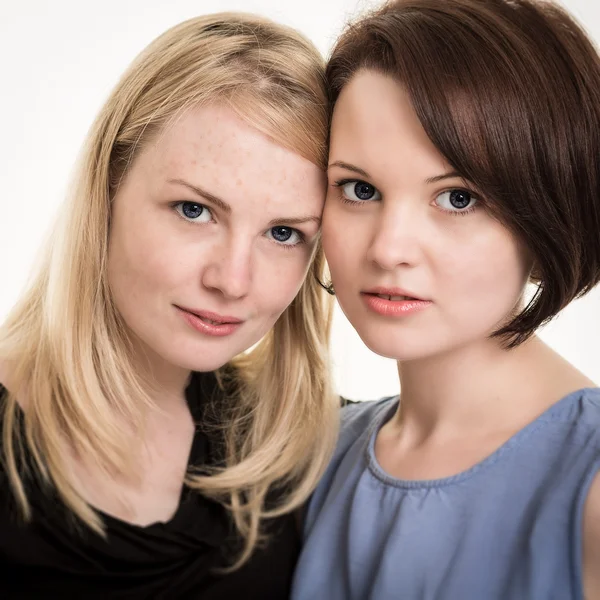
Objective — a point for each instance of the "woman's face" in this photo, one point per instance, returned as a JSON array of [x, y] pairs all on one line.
[[212, 233], [418, 264]]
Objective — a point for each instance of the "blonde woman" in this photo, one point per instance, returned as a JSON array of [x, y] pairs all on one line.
[[144, 454]]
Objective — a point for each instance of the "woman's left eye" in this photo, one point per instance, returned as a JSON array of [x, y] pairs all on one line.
[[287, 236], [456, 200], [193, 212]]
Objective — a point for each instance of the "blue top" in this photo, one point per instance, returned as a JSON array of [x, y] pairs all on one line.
[[509, 528]]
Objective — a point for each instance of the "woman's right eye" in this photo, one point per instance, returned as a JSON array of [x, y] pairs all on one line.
[[358, 191], [193, 212]]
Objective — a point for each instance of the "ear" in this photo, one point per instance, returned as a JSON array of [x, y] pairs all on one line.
[[535, 277], [535, 274]]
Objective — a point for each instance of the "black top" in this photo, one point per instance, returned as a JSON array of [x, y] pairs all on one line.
[[50, 558]]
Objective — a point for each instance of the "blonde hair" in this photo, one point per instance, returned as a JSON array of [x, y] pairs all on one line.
[[67, 346]]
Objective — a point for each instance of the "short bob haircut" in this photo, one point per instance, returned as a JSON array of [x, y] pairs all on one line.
[[509, 93]]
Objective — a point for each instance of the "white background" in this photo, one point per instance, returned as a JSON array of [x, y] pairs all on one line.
[[58, 62]]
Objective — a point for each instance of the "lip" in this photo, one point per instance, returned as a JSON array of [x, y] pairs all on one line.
[[208, 322], [408, 305], [393, 291]]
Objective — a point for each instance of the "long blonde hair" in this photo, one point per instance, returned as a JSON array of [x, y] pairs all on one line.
[[66, 345]]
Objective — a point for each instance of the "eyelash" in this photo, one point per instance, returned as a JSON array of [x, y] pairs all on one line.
[[301, 235], [466, 211], [301, 239], [460, 213], [175, 205], [340, 183]]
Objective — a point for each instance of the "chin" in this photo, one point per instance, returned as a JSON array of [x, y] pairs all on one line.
[[384, 347], [398, 348], [193, 357]]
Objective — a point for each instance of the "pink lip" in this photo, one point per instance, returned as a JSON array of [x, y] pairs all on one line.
[[219, 325], [393, 308], [385, 291]]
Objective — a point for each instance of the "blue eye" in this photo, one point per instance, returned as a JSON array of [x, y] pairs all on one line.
[[193, 212], [456, 200], [359, 191], [286, 236]]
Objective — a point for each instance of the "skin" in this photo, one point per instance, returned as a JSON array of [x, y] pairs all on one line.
[[463, 394], [226, 260], [229, 258]]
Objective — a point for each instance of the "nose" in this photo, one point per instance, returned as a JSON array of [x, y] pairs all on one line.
[[395, 239], [229, 268]]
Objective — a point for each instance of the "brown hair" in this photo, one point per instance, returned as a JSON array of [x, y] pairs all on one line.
[[509, 93]]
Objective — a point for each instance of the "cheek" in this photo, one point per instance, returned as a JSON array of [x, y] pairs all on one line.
[[143, 258], [343, 242], [486, 277], [278, 279]]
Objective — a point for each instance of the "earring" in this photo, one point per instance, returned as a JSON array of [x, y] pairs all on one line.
[[327, 287]]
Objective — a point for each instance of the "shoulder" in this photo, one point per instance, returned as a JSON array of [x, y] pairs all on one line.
[[3, 383], [590, 413], [357, 422], [591, 541], [354, 411], [3, 376], [583, 408], [591, 399], [357, 416], [9, 383]]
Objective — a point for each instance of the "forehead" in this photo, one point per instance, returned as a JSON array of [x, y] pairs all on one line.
[[374, 121], [214, 148]]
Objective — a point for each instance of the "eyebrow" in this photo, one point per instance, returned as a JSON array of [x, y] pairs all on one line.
[[449, 175], [227, 208], [348, 167], [207, 195], [429, 180], [295, 220]]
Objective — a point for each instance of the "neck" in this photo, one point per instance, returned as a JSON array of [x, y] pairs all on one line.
[[476, 387]]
